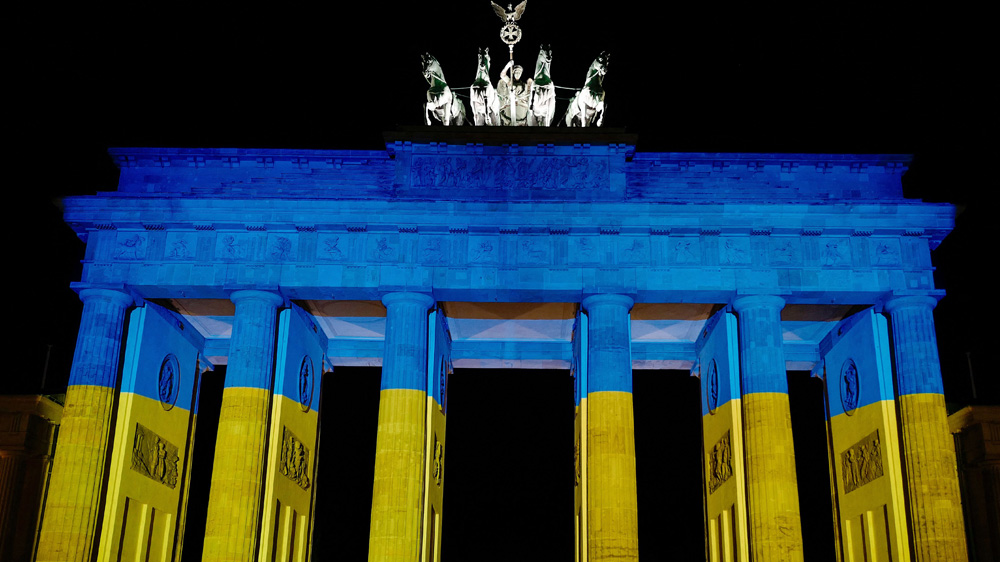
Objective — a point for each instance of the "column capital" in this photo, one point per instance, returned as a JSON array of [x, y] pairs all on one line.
[[758, 301], [252, 294], [403, 297], [921, 301], [607, 299], [120, 298]]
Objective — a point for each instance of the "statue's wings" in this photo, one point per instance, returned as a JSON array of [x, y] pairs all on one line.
[[509, 16], [500, 11], [520, 9]]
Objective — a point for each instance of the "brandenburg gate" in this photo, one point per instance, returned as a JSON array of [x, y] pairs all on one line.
[[285, 265]]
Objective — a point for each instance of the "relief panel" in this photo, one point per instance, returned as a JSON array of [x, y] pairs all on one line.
[[294, 462], [862, 462], [154, 457]]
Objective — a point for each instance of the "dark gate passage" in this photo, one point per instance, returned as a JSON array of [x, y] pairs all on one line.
[[509, 466], [668, 465]]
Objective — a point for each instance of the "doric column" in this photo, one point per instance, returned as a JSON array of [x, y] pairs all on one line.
[[233, 519], [612, 518], [937, 529], [397, 491], [73, 505], [772, 494]]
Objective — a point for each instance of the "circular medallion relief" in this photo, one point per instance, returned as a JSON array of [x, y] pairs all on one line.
[[850, 390], [306, 383], [169, 381], [712, 387]]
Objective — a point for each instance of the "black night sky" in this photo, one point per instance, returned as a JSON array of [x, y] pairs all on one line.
[[825, 78]]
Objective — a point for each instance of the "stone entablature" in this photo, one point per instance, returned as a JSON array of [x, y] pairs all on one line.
[[540, 222]]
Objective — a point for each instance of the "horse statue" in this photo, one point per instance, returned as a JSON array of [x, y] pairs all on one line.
[[482, 96], [543, 91], [586, 108], [441, 103]]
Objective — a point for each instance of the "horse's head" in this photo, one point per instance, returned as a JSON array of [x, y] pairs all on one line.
[[431, 68], [601, 62], [545, 54], [598, 69], [484, 59]]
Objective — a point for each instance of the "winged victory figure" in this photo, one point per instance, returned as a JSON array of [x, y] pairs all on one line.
[[509, 15]]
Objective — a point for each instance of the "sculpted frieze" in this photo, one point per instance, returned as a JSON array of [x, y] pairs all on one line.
[[734, 251], [484, 250], [438, 468], [584, 249], [383, 247], [154, 457], [506, 173], [720, 463], [334, 247], [685, 250], [835, 252], [180, 246], [785, 250], [294, 462], [434, 250], [633, 250], [533, 250], [861, 463], [131, 246], [885, 252], [235, 246], [281, 247]]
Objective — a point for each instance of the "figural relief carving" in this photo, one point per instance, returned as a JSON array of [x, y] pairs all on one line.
[[294, 459], [850, 389], [482, 251], [154, 456], [576, 464], [169, 381], [281, 248], [862, 462], [886, 253], [720, 463], [836, 252], [306, 379], [686, 251], [330, 249], [179, 247], [383, 249], [131, 247], [543, 172], [712, 382], [438, 469], [232, 248]]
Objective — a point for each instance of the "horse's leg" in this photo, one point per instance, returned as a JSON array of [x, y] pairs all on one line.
[[550, 107], [427, 114]]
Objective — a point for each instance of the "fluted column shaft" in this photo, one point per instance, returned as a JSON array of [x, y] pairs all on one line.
[[397, 490], [233, 518], [772, 495], [78, 472], [612, 515], [937, 528]]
